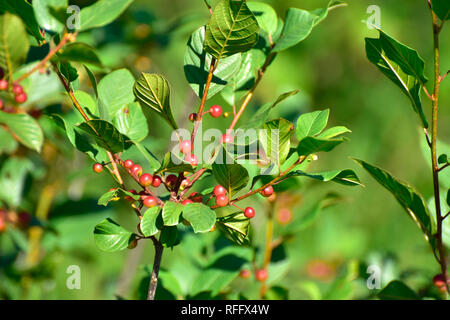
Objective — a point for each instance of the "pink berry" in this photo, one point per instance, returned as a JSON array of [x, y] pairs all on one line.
[[3, 84], [219, 190], [136, 170], [249, 212], [186, 146], [192, 159], [21, 98], [150, 202], [128, 164], [216, 111], [146, 179], [261, 274], [221, 200], [226, 138], [17, 89], [156, 181], [267, 191], [245, 274]]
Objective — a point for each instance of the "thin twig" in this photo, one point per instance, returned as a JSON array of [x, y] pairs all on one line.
[[155, 272]]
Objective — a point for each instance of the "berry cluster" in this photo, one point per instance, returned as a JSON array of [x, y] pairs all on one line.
[[261, 275], [17, 90], [20, 220], [215, 111]]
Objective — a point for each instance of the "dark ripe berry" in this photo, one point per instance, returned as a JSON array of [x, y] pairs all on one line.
[[439, 281], [128, 164], [150, 202], [133, 244], [186, 202], [226, 138], [156, 181], [21, 98], [267, 191], [3, 84], [23, 219], [216, 111], [136, 170], [186, 146], [192, 117], [146, 179], [171, 180], [245, 274], [218, 190], [221, 200], [249, 212], [2, 73], [261, 274], [17, 89], [192, 159], [97, 167]]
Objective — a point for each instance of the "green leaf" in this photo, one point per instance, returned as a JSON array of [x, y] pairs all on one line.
[[402, 65], [25, 128], [443, 159], [410, 199], [441, 148], [171, 213], [110, 236], [299, 24], [169, 166], [115, 91], [232, 177], [346, 177], [43, 10], [14, 44], [113, 194], [105, 134], [333, 132], [68, 71], [102, 13], [81, 53], [23, 9], [87, 102], [149, 156], [441, 8], [12, 179], [232, 28], [148, 222], [7, 143], [169, 236], [153, 91], [397, 290], [275, 139], [131, 122], [235, 228], [92, 80], [265, 16], [312, 123], [311, 145], [197, 63], [200, 216], [304, 221]]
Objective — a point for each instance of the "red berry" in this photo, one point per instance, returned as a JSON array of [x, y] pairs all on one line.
[[216, 111], [128, 164], [24, 219], [17, 89], [192, 117], [261, 274], [150, 202], [186, 202], [156, 181], [226, 138], [249, 212], [245, 274], [97, 168], [171, 180], [267, 191], [146, 179], [3, 84], [21, 98], [196, 197], [192, 159], [218, 190], [439, 280], [2, 225], [221, 200], [186, 146], [136, 170], [1, 104]]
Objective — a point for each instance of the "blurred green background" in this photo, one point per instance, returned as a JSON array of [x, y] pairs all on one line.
[[331, 71]]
